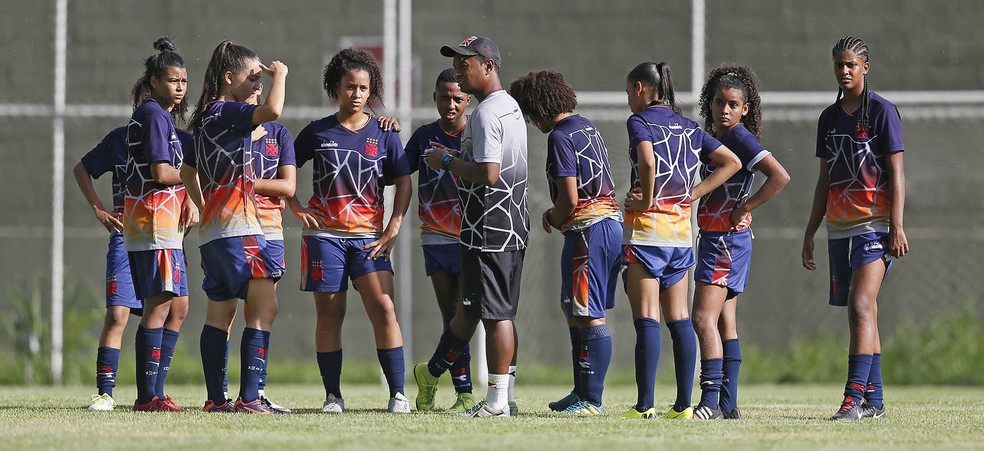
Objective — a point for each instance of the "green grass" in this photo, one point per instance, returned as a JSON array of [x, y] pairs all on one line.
[[784, 416]]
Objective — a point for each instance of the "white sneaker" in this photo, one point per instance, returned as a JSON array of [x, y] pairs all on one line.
[[333, 405], [399, 404], [102, 403], [482, 409]]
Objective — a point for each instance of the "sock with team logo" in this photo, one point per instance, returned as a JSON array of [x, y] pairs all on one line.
[[391, 361], [858, 369], [729, 385], [646, 360], [593, 360], [461, 372], [873, 392], [576, 359], [684, 360], [711, 375], [107, 363], [254, 358], [148, 353], [330, 365], [213, 347], [449, 350], [168, 342]]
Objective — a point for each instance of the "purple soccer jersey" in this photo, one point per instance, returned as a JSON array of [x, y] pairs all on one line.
[[576, 149], [270, 153], [437, 192], [714, 213], [110, 155]]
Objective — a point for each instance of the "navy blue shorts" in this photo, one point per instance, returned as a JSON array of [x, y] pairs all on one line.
[[119, 283], [850, 254], [328, 263], [589, 266], [442, 257], [724, 259], [158, 271], [667, 264], [230, 263], [276, 250]]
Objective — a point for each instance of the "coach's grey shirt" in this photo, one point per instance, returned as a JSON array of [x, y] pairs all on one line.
[[495, 218]]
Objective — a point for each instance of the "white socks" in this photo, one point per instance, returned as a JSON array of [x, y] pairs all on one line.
[[512, 383], [497, 397]]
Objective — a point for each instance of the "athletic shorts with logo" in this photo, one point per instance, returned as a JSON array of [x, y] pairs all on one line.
[[119, 282], [589, 266], [850, 254], [328, 263], [724, 259], [491, 288], [667, 264], [230, 263], [158, 271]]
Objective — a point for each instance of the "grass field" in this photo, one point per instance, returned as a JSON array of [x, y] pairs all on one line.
[[785, 416]]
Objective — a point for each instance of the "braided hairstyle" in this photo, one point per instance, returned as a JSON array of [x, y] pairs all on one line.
[[227, 57], [733, 77], [657, 77], [543, 94], [156, 66], [353, 59], [856, 46]]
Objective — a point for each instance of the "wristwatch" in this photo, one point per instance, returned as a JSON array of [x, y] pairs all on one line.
[[446, 161]]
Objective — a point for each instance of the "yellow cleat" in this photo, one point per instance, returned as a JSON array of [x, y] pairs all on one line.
[[687, 414], [464, 402], [633, 414]]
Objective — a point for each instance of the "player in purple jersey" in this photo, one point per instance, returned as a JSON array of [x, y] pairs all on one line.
[[220, 177], [156, 215], [665, 149], [110, 156], [861, 192], [440, 217], [586, 212], [343, 236], [730, 105]]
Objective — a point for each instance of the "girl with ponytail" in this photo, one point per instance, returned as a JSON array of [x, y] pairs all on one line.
[[222, 181], [665, 150]]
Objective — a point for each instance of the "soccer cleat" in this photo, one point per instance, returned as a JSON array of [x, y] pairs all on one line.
[[398, 404], [333, 405], [869, 411], [154, 405], [212, 407], [255, 406], [634, 414], [703, 412], [482, 409], [563, 403], [584, 408], [849, 411], [274, 407], [685, 414], [464, 402], [168, 405], [733, 415], [102, 403], [426, 387]]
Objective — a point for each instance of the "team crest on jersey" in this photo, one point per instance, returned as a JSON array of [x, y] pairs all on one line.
[[468, 41], [111, 286], [272, 148], [372, 147]]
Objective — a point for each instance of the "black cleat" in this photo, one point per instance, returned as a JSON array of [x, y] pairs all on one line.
[[849, 411]]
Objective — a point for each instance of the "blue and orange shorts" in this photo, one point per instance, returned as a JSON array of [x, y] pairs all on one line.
[[850, 254], [589, 266], [119, 282], [669, 265], [724, 259], [158, 271], [230, 263], [328, 263]]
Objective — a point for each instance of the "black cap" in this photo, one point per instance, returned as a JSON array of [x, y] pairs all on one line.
[[475, 45]]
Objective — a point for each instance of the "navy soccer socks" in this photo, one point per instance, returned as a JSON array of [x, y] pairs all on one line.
[[684, 359], [253, 353], [461, 372], [391, 361], [148, 354], [711, 379], [593, 361], [575, 359], [646, 361], [169, 340], [858, 369], [449, 350], [107, 364], [330, 364], [214, 349], [873, 392], [729, 387]]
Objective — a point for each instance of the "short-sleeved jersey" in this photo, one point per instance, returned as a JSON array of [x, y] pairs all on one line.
[[151, 210], [351, 168], [858, 200], [679, 145], [714, 213], [437, 190], [495, 217], [270, 152], [110, 155], [575, 149], [224, 160]]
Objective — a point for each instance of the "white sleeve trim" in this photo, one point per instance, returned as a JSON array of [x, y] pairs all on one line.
[[761, 156]]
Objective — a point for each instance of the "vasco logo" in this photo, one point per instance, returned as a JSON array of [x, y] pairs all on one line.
[[330, 143], [272, 148], [372, 148], [468, 41]]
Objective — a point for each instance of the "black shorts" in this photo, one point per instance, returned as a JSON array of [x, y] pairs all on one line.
[[490, 283]]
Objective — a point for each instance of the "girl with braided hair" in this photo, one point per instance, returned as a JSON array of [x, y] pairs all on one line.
[[861, 192], [731, 108]]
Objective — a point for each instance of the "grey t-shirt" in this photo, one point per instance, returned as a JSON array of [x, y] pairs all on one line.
[[495, 217]]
